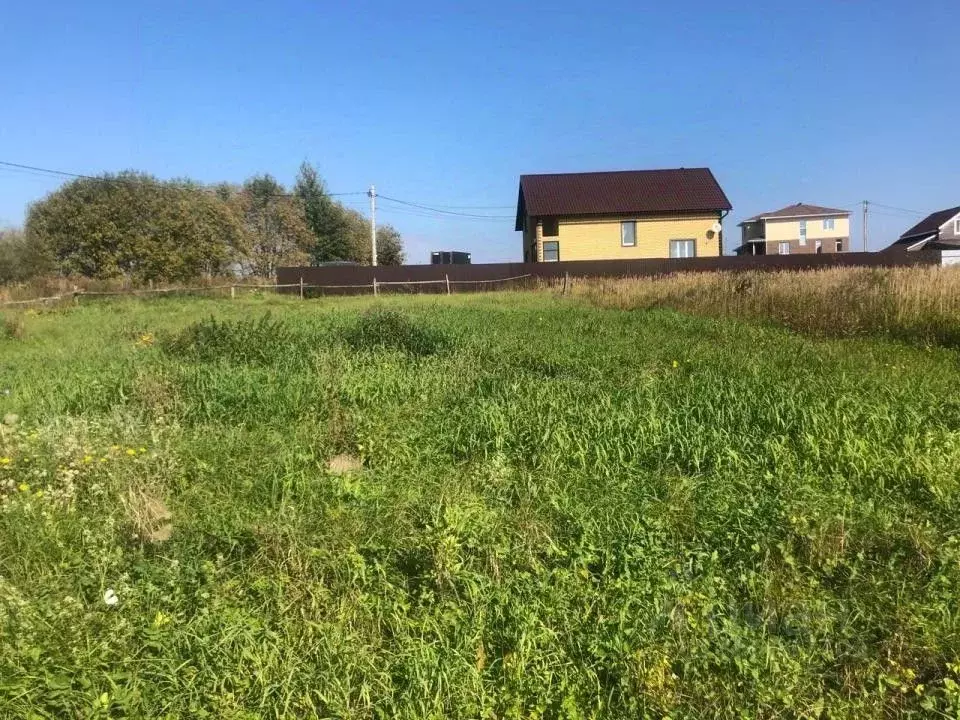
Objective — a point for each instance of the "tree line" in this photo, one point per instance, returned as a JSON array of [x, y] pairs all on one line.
[[133, 225]]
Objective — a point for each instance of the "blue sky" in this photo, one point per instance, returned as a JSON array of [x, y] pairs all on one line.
[[821, 102]]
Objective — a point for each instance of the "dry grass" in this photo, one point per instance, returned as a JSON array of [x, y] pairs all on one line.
[[48, 287], [917, 303], [148, 515], [344, 464]]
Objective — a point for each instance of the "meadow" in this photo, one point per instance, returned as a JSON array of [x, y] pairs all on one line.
[[507, 505]]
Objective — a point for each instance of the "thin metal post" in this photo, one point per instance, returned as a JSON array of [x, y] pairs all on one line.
[[447, 278], [375, 292], [233, 292], [301, 287]]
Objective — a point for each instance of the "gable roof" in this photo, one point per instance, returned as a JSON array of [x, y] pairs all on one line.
[[931, 223], [621, 192], [799, 210]]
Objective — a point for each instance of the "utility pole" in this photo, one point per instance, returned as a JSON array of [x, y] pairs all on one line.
[[865, 204], [372, 193]]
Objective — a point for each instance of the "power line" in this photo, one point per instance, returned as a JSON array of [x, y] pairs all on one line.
[[900, 209], [77, 176], [444, 212]]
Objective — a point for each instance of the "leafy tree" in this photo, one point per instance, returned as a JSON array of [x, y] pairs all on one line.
[[274, 226], [22, 258], [323, 216], [389, 246], [134, 225]]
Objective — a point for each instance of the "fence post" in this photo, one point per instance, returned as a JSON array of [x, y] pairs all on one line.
[[233, 292], [447, 278], [301, 287], [374, 287], [566, 281]]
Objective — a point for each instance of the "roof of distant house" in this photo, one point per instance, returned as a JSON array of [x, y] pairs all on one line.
[[931, 223], [800, 210], [623, 192]]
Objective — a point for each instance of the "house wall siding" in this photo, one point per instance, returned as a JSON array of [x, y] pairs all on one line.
[[829, 246], [947, 232], [778, 230], [599, 238]]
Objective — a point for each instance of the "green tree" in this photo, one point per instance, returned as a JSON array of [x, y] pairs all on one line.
[[323, 216], [22, 258], [389, 246], [274, 225], [131, 224]]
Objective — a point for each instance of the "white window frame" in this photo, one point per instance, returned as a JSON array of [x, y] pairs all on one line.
[[829, 224], [956, 226], [818, 247], [623, 227], [784, 244], [544, 249], [803, 232], [838, 246], [692, 246]]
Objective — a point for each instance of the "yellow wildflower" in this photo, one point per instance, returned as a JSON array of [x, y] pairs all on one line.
[[131, 452], [143, 450], [5, 461], [88, 458], [676, 364], [23, 487], [39, 493]]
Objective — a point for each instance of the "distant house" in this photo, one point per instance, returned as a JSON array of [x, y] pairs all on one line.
[[621, 215], [796, 229], [938, 233]]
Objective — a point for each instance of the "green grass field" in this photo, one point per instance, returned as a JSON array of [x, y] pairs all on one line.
[[562, 512]]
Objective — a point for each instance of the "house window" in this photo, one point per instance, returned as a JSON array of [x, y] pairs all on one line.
[[819, 246], [956, 226], [839, 245], [803, 232], [551, 227], [784, 248], [828, 224], [551, 251], [683, 248], [628, 233]]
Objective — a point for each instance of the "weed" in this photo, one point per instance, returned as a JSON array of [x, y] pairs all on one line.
[[12, 326], [392, 330], [583, 512], [261, 341]]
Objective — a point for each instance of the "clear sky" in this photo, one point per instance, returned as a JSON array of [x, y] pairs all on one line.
[[446, 105]]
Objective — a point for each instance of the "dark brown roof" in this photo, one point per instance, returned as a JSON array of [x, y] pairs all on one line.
[[620, 193], [931, 223], [798, 210]]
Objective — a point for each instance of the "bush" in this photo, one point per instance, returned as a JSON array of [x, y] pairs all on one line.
[[20, 258], [390, 330], [262, 341]]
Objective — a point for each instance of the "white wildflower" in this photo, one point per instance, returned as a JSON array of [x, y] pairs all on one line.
[[110, 597]]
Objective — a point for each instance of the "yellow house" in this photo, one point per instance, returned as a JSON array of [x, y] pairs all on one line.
[[621, 215], [796, 230]]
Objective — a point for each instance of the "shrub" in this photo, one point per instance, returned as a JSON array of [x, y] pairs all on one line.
[[261, 341], [390, 330], [22, 258]]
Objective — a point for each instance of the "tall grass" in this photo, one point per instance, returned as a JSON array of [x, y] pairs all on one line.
[[494, 506], [920, 304]]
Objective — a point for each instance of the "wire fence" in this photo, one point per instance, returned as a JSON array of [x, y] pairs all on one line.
[[301, 288]]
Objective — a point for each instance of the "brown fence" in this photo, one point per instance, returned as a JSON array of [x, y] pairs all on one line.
[[362, 279]]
